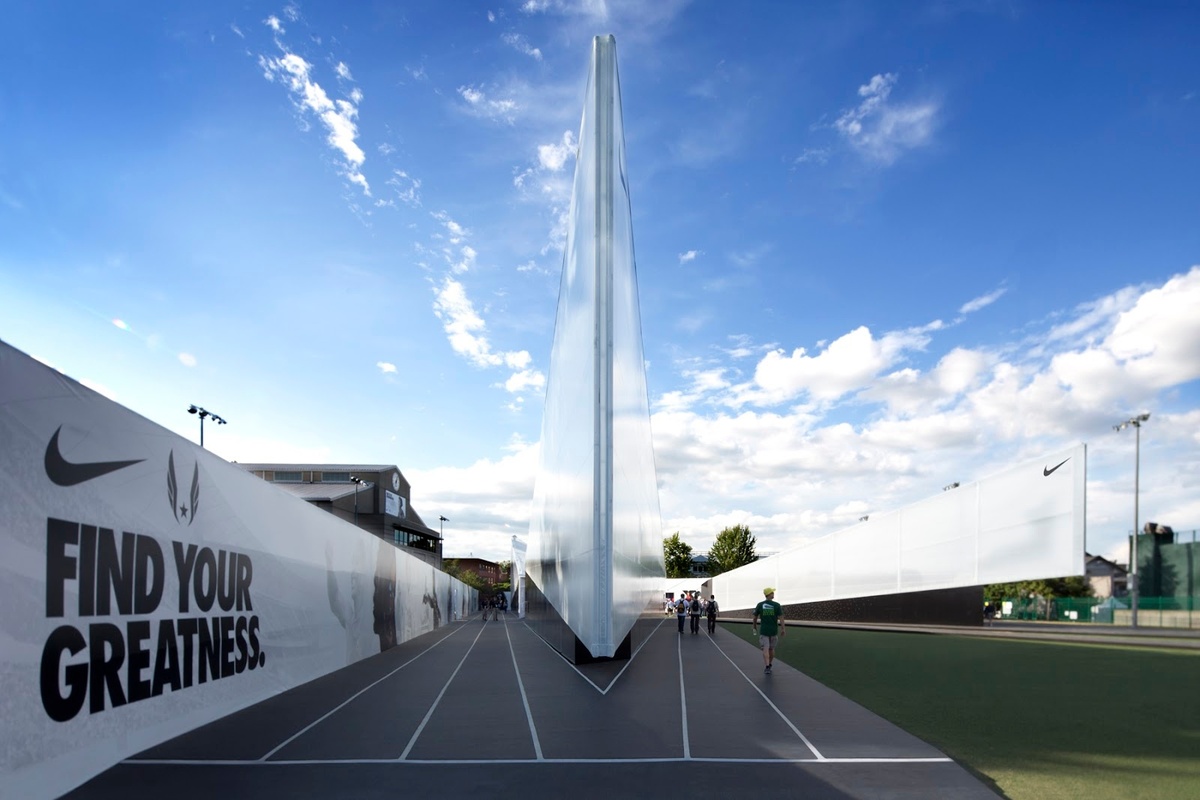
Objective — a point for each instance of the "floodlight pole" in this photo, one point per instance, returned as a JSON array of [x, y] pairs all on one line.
[[1136, 422], [203, 412], [357, 481]]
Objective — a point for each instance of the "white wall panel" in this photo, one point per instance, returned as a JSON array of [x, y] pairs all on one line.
[[866, 558], [1024, 523], [308, 593]]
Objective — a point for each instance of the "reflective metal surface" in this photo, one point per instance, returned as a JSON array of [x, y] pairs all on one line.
[[595, 547]]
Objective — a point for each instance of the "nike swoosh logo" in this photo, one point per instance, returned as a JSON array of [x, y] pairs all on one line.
[[1046, 472], [64, 473]]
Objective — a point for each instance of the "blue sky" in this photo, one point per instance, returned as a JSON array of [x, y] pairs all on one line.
[[881, 246]]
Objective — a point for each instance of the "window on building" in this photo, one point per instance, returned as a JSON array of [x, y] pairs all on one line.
[[335, 477], [287, 477], [422, 542]]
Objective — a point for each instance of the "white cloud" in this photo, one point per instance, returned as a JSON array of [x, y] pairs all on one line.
[[338, 116], [748, 258], [386, 368], [466, 332], [690, 255], [881, 130], [983, 301], [187, 359], [486, 503], [525, 380], [521, 45], [480, 105], [406, 187], [693, 322], [553, 157], [467, 261], [463, 325], [1090, 320], [456, 232], [1158, 340], [274, 24], [851, 362], [813, 155], [237, 30], [343, 71]]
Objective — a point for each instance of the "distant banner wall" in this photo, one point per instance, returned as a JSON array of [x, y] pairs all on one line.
[[148, 587], [516, 576], [1025, 523]]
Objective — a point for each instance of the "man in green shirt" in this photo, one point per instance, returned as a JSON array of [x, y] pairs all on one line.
[[768, 624]]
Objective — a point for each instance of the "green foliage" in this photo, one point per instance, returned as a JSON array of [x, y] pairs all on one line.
[[1073, 586], [733, 548], [677, 557], [451, 567]]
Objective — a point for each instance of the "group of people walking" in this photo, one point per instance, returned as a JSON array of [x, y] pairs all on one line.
[[494, 606], [692, 606], [766, 619]]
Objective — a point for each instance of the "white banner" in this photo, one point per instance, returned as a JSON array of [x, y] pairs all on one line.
[[148, 587], [394, 504], [1025, 523]]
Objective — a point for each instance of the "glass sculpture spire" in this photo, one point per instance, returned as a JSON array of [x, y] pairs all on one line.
[[595, 548]]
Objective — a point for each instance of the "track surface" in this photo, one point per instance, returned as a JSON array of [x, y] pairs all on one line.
[[489, 707]]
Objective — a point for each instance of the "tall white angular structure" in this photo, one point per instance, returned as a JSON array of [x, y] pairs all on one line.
[[595, 549]]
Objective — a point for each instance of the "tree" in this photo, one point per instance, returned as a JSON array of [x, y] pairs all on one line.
[[1073, 586], [1024, 592], [452, 568], [677, 557], [733, 548]]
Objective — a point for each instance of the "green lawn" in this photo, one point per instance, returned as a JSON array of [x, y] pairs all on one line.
[[1039, 720]]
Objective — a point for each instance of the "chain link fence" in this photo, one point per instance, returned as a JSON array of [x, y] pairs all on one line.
[[1153, 612]]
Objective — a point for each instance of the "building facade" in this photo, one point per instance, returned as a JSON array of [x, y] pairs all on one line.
[[488, 571], [1107, 578], [375, 497]]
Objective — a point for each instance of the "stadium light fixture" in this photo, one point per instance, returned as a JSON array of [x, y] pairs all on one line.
[[204, 412], [1136, 423], [358, 482]]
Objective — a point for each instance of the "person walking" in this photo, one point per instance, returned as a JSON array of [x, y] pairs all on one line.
[[680, 611], [694, 613], [767, 622], [711, 611]]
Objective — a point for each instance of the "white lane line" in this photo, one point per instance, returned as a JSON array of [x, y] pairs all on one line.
[[782, 716], [537, 745], [307, 762], [687, 745], [550, 647], [339, 707], [429, 714], [585, 677], [645, 639]]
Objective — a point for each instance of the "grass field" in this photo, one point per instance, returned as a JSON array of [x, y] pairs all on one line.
[[1038, 720]]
